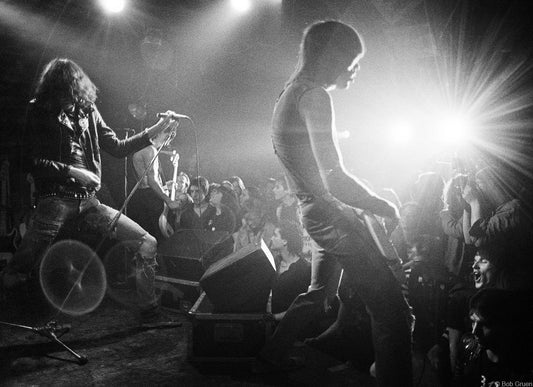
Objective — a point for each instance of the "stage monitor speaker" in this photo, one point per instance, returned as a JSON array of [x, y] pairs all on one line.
[[242, 281]]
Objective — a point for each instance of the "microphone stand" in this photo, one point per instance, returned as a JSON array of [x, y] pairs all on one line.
[[126, 135], [114, 222], [52, 330]]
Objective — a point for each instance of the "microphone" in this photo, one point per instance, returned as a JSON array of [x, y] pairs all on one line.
[[174, 116]]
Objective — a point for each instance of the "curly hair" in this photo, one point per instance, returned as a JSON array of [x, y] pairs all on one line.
[[63, 79]]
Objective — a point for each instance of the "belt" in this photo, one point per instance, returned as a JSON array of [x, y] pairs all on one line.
[[71, 194]]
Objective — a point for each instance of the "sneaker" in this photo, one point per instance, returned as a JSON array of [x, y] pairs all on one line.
[[158, 320]]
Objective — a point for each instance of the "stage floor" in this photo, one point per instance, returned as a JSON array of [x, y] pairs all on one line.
[[121, 353]]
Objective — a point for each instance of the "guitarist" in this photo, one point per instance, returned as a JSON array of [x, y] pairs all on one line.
[[303, 135], [149, 200]]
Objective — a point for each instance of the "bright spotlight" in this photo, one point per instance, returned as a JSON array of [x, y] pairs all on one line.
[[241, 5], [454, 129], [343, 134], [401, 132], [113, 6]]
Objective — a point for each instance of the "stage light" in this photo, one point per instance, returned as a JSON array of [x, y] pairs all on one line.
[[343, 134], [241, 5], [453, 129], [113, 6], [401, 132]]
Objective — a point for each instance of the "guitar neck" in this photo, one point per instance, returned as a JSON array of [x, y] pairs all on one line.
[[174, 180]]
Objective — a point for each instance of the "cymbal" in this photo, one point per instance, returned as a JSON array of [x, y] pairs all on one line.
[[137, 111]]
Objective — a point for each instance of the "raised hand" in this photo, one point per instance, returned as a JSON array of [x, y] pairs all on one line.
[[470, 193], [164, 124]]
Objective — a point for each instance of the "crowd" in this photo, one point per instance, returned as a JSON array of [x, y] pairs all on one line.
[[465, 243], [462, 244]]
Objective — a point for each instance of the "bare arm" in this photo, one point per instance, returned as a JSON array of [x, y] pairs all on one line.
[[142, 159], [317, 111], [466, 227], [471, 196]]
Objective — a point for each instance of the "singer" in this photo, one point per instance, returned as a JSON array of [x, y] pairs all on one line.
[[65, 133]]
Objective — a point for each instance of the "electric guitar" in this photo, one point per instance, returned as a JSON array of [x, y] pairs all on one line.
[[384, 245], [164, 224]]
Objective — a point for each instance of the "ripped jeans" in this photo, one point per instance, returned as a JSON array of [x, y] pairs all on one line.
[[52, 213]]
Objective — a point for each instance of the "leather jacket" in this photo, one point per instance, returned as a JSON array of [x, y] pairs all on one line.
[[49, 137]]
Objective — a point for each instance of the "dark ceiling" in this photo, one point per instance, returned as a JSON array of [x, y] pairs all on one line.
[[194, 57]]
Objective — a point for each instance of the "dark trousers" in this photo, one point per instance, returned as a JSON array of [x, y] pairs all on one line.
[[145, 208], [336, 228]]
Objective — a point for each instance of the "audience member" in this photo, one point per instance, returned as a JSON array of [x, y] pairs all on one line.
[[197, 215], [427, 193], [222, 223], [239, 188], [294, 272], [501, 346], [224, 218], [287, 209], [271, 204], [507, 232], [255, 227], [458, 256]]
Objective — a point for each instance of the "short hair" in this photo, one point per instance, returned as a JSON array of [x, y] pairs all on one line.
[[200, 182], [292, 233]]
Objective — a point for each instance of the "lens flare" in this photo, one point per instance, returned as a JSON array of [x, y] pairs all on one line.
[[113, 6]]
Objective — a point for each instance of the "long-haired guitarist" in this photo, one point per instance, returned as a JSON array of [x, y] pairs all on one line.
[[304, 140]]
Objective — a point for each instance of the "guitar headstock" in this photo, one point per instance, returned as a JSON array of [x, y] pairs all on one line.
[[175, 158]]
